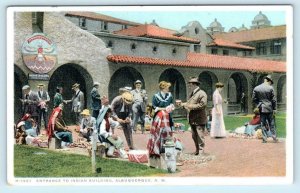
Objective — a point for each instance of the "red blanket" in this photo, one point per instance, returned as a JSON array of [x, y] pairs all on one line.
[[159, 132]]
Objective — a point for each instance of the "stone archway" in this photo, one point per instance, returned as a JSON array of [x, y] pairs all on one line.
[[178, 85], [178, 88], [125, 76], [20, 79], [207, 83], [281, 93], [65, 76], [237, 84]]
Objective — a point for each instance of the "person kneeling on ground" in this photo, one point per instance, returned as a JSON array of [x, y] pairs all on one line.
[[58, 128], [160, 131], [26, 130], [248, 130], [88, 125], [113, 141]]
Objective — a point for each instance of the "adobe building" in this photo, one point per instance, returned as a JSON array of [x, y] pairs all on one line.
[[86, 47]]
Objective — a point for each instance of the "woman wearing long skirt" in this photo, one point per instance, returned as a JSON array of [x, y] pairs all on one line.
[[217, 123]]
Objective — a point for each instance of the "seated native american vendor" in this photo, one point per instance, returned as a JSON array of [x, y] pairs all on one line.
[[58, 128]]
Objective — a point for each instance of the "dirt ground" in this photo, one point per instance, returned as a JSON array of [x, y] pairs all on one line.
[[232, 157]]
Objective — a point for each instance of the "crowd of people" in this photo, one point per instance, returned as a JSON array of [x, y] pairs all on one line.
[[130, 107]]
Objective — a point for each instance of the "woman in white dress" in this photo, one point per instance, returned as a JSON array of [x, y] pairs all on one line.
[[217, 122]]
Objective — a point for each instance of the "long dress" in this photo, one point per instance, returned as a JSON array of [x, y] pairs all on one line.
[[217, 122]]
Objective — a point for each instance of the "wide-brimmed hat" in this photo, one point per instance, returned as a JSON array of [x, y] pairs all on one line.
[[164, 84], [269, 78], [96, 84], [194, 80], [138, 82], [219, 85], [85, 112], [256, 111], [40, 85], [127, 97], [76, 85]]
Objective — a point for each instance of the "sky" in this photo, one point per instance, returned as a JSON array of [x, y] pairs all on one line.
[[177, 19]]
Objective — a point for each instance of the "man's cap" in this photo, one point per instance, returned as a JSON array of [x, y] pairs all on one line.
[[40, 85], [76, 85], [138, 82], [85, 112], [269, 78], [25, 87], [96, 84], [127, 97], [194, 80]]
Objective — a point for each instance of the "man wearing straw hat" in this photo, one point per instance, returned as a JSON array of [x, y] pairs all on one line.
[[88, 124], [43, 106], [264, 97], [122, 111], [139, 106], [77, 102]]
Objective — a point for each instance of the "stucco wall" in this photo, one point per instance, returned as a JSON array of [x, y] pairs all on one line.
[[74, 45]]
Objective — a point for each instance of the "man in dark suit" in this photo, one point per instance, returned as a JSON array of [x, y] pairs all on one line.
[[95, 100], [264, 97], [196, 107]]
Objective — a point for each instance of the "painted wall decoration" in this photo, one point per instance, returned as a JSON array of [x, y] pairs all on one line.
[[39, 53]]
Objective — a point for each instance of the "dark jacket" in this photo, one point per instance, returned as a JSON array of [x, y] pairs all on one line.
[[95, 99], [263, 96]]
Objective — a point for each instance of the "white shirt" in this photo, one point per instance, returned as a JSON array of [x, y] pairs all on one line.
[[103, 131], [196, 89]]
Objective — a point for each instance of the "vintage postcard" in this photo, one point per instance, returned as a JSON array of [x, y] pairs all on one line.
[[150, 95]]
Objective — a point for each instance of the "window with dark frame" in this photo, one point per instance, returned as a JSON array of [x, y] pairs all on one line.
[[82, 22], [38, 21], [104, 25], [154, 49], [133, 47], [275, 47], [174, 51], [261, 48], [110, 44], [225, 52], [214, 51], [197, 48]]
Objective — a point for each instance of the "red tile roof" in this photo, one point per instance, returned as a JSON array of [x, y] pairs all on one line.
[[207, 61], [229, 44], [267, 33], [100, 17], [153, 31]]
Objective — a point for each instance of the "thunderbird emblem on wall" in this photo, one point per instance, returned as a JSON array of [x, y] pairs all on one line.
[[39, 53]]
